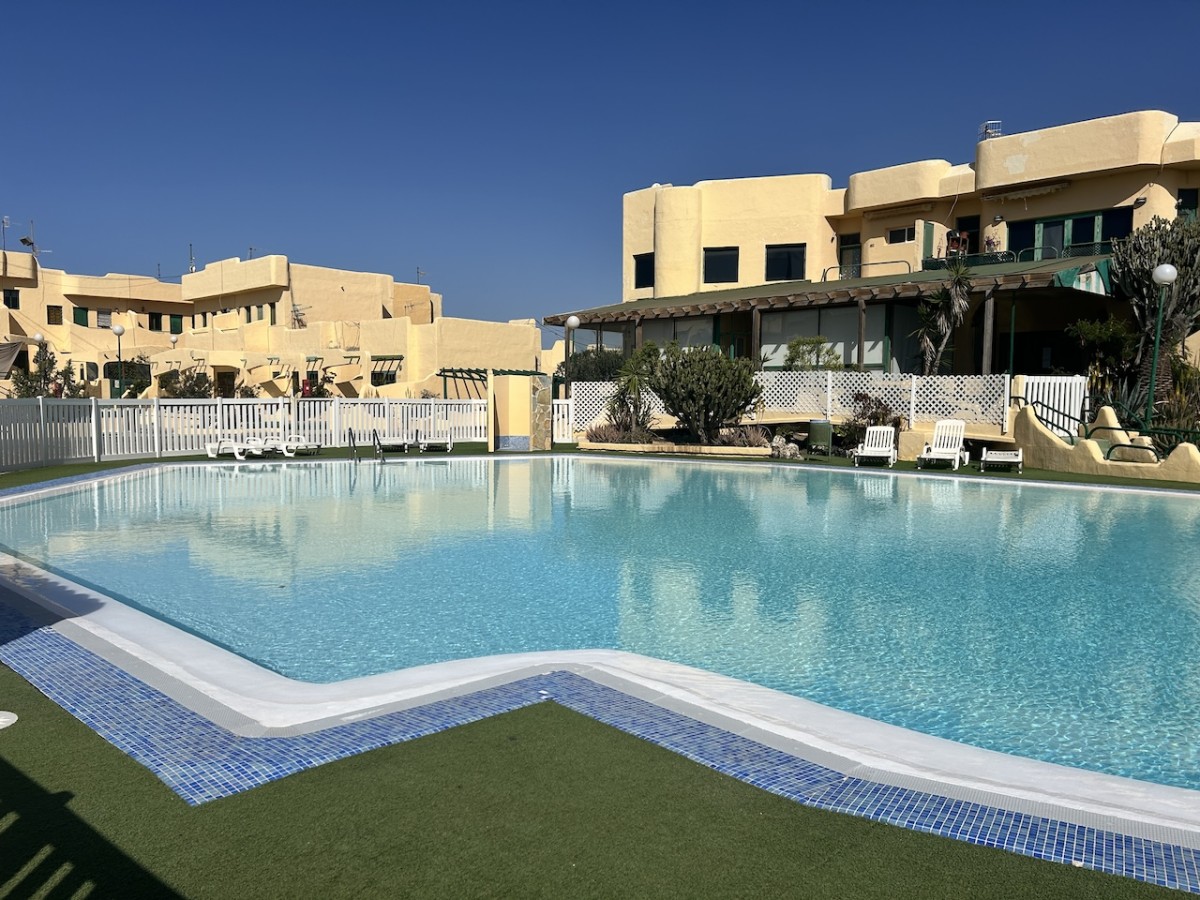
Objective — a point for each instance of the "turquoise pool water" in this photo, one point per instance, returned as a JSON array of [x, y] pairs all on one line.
[[1058, 624]]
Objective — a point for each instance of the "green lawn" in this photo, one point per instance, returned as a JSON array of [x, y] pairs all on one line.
[[540, 802]]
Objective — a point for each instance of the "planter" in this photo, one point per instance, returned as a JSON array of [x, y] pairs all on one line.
[[683, 449]]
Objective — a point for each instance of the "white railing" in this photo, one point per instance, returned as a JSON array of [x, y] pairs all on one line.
[[976, 399], [564, 415], [43, 431], [1060, 401]]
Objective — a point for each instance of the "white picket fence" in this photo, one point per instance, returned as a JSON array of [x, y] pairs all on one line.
[[1061, 402], [42, 431], [976, 399]]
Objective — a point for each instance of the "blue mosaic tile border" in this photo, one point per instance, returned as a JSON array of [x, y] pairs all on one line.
[[201, 761]]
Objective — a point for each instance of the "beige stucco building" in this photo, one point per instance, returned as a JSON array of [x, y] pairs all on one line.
[[750, 263], [269, 323]]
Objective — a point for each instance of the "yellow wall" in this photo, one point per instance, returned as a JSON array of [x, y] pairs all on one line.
[[1077, 168]]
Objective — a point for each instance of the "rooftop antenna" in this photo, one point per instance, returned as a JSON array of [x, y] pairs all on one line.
[[5, 224], [191, 260], [419, 274], [250, 254], [30, 240], [992, 128]]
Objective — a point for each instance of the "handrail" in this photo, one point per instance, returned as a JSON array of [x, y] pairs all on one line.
[[1033, 250], [1066, 417], [982, 258], [378, 445], [882, 262], [352, 443]]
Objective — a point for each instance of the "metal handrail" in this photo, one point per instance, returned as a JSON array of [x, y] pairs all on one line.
[[1088, 430], [352, 443], [377, 444], [1063, 414], [1033, 250], [881, 262], [983, 258]]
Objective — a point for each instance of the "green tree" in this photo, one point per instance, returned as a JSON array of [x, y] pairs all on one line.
[[44, 380], [189, 384], [807, 353], [704, 389], [593, 364], [628, 410], [940, 314], [1134, 259]]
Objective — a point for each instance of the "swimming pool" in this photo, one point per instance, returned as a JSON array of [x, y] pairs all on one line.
[[1053, 623]]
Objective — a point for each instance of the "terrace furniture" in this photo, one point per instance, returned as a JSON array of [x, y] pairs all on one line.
[[293, 445], [238, 449], [1001, 458], [878, 443], [946, 445]]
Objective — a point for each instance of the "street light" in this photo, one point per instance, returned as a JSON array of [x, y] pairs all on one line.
[[572, 323], [1164, 276], [119, 330]]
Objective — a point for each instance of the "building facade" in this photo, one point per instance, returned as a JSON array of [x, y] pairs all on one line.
[[278, 327], [748, 264]]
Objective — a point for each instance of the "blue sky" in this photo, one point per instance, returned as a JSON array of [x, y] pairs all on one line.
[[490, 144]]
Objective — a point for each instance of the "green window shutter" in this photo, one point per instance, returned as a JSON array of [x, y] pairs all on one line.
[[79, 315], [176, 324]]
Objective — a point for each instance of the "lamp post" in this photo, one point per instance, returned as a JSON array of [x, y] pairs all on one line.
[[119, 330], [572, 323], [1164, 276]]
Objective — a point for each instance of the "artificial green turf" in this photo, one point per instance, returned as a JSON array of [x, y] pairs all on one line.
[[540, 802]]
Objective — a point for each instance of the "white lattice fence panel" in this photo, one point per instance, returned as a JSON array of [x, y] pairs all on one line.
[[893, 390], [801, 392], [591, 402], [981, 399]]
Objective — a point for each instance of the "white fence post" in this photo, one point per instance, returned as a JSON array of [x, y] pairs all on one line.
[[157, 423], [42, 429], [1007, 402], [912, 403]]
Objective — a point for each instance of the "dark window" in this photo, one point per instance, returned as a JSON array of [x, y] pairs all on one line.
[[272, 308], [53, 315], [79, 315], [720, 265], [785, 262], [155, 322], [249, 314], [1020, 238], [968, 226], [104, 318], [902, 235], [1188, 202], [849, 256], [176, 324], [12, 298], [643, 271], [1116, 223], [380, 378]]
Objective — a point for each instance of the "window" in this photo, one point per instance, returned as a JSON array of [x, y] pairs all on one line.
[[902, 235], [53, 315], [1189, 200], [272, 308], [968, 231], [79, 315], [155, 322], [689, 331], [785, 262], [720, 265], [12, 298], [104, 318], [249, 314], [643, 270], [258, 313], [1084, 234], [176, 324], [381, 378], [849, 256]]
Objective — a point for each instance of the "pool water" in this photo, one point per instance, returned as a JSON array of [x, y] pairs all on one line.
[[1054, 623]]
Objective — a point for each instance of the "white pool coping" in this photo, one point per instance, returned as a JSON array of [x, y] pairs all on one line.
[[253, 701]]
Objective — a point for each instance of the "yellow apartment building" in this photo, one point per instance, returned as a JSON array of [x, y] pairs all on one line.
[[269, 323], [748, 264]]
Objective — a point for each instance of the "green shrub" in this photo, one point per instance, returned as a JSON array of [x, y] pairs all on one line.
[[807, 353], [867, 411], [593, 364], [704, 389]]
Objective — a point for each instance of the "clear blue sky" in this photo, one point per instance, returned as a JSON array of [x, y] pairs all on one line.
[[489, 144]]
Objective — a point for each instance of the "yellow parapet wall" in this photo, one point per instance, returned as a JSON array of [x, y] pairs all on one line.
[[1045, 450]]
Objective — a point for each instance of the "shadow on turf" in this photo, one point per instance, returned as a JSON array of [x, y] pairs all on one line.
[[46, 850]]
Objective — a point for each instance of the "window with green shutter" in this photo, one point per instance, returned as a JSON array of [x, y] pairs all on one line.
[[79, 315]]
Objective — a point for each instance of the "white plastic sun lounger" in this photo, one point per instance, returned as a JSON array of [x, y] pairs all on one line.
[[238, 449], [293, 445], [947, 443], [878, 443], [1001, 458]]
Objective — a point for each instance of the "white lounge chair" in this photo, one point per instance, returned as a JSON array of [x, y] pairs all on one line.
[[878, 443], [293, 445], [238, 448], [1001, 458], [947, 443]]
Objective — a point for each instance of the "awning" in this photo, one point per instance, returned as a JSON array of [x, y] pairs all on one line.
[[1009, 276], [1093, 277], [8, 353]]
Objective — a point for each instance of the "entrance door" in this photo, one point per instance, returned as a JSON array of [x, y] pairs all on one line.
[[226, 383]]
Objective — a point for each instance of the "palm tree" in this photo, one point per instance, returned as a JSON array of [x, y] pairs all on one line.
[[941, 313]]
